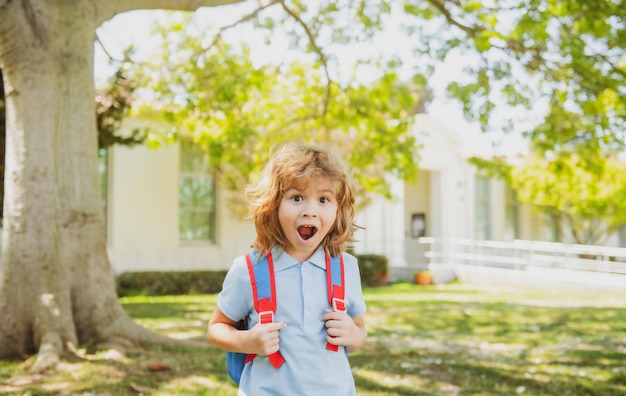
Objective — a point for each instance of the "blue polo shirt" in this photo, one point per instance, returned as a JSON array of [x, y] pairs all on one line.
[[301, 294]]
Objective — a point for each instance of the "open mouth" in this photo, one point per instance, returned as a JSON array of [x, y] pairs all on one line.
[[307, 231]]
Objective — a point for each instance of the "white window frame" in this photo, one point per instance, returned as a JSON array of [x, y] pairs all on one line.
[[197, 177]]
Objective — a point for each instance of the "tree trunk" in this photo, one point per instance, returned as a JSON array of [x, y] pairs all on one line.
[[57, 287]]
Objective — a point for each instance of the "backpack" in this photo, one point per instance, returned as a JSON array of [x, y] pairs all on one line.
[[264, 295]]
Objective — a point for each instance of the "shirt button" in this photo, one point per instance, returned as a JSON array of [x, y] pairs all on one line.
[[307, 313]]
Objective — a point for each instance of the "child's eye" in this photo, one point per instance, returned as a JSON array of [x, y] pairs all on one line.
[[324, 200], [297, 198]]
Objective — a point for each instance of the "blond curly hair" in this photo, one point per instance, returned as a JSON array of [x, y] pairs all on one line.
[[293, 165]]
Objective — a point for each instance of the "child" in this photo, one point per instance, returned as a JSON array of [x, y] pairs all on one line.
[[302, 207]]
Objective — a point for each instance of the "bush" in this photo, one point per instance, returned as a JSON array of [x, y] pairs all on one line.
[[158, 283], [374, 269]]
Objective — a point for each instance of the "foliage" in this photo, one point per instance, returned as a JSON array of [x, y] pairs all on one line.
[[374, 269], [581, 194], [112, 106], [496, 168], [569, 55], [446, 339], [578, 193], [160, 283], [237, 111]]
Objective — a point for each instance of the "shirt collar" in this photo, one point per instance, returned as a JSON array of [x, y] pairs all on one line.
[[283, 261]]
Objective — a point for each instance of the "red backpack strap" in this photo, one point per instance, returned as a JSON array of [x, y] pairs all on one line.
[[335, 278], [264, 295]]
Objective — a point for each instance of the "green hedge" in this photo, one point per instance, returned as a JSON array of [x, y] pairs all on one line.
[[157, 283], [374, 269], [374, 272]]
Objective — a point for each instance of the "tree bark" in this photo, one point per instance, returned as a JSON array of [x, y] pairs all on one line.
[[57, 288]]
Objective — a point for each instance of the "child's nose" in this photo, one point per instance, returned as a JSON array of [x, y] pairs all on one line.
[[308, 210]]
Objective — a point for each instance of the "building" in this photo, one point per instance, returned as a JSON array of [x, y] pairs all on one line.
[[165, 212]]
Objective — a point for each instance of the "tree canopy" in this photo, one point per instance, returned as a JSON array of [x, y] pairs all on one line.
[[564, 63], [578, 196], [582, 198], [569, 56], [237, 111], [574, 57], [113, 104]]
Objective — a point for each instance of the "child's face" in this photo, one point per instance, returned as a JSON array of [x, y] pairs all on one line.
[[306, 215]]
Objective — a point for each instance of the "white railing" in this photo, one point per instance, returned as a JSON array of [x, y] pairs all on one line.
[[521, 254]]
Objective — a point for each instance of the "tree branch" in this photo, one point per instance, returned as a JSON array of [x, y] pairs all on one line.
[[318, 51], [107, 9], [245, 18], [440, 5], [312, 41], [106, 52]]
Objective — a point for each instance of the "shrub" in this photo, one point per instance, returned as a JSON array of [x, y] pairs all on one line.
[[374, 269], [158, 283]]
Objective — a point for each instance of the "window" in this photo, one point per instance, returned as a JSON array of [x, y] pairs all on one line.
[[196, 195], [482, 208], [511, 222]]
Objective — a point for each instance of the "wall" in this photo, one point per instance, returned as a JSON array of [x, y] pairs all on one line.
[[442, 192], [142, 217]]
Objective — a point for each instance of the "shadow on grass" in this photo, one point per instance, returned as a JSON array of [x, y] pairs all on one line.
[[450, 345], [444, 340], [184, 371], [436, 373]]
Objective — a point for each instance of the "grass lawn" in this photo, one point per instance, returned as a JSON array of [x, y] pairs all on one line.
[[423, 340]]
